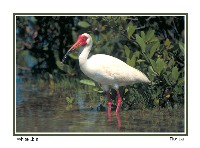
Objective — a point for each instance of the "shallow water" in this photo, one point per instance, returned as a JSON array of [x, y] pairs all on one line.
[[90, 121], [44, 111], [39, 116]]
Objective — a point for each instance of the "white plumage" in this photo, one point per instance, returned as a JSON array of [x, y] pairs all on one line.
[[108, 70]]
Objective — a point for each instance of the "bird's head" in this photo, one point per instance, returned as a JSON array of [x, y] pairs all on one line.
[[83, 40]]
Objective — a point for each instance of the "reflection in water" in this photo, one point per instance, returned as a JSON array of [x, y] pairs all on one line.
[[109, 120], [49, 119], [118, 121], [109, 117], [44, 112]]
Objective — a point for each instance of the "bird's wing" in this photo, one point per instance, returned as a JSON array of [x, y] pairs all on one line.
[[108, 69]]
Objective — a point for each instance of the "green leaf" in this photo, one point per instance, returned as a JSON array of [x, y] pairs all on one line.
[[154, 39], [165, 54], [140, 60], [128, 61], [124, 18], [141, 42], [59, 64], [74, 35], [153, 64], [143, 35], [151, 74], [160, 65], [133, 59], [33, 19], [168, 45], [171, 63], [152, 70], [87, 82], [167, 42], [130, 29], [127, 51], [69, 107], [97, 90], [181, 45], [65, 68], [83, 24], [153, 49], [150, 35], [73, 56], [181, 81], [131, 62], [167, 80], [175, 73], [108, 17], [69, 100], [136, 54]]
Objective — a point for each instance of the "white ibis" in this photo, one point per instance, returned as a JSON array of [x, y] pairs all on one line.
[[105, 69]]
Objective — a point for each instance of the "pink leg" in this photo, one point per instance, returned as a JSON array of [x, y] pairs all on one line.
[[119, 101], [109, 101], [109, 107]]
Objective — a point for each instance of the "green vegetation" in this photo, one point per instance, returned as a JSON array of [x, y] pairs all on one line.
[[153, 44]]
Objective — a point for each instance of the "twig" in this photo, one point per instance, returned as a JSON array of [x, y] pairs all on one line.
[[175, 26], [23, 68], [132, 19], [142, 27], [131, 40], [150, 18]]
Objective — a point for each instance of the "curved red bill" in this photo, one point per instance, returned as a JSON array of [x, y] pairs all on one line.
[[80, 42], [72, 49]]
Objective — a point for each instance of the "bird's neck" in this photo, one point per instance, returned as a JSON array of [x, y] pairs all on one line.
[[85, 50]]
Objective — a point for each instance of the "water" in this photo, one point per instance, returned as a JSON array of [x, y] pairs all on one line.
[[43, 117], [44, 111], [90, 121]]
